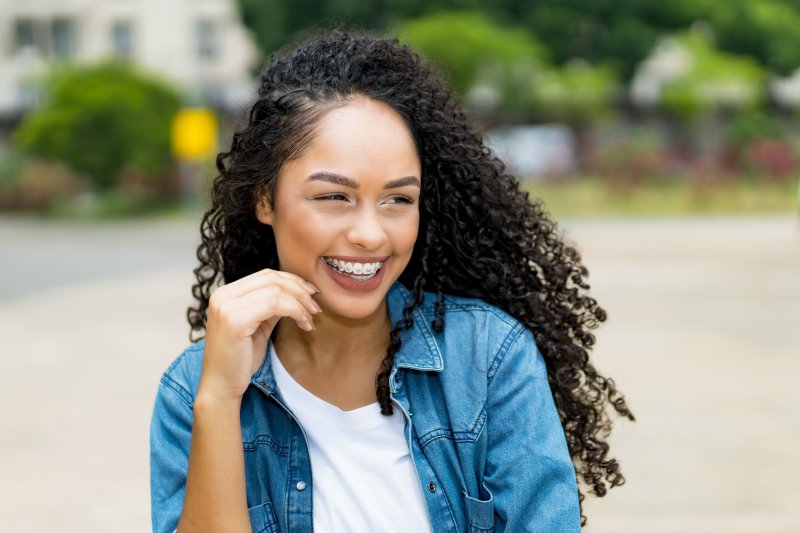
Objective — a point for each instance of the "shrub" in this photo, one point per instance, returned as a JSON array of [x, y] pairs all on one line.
[[101, 120], [37, 185]]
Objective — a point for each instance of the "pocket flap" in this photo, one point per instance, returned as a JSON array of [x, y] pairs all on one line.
[[262, 519], [480, 513]]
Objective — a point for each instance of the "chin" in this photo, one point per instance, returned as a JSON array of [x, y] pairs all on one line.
[[354, 307]]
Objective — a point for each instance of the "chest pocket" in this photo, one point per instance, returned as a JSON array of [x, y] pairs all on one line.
[[443, 410], [480, 514], [262, 518]]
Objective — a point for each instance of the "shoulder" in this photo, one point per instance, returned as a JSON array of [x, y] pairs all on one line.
[[474, 325], [468, 308], [183, 374]]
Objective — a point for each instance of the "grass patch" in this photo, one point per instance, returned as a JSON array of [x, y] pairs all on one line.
[[116, 204], [590, 197]]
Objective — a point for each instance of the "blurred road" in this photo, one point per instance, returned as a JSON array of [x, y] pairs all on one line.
[[703, 338]]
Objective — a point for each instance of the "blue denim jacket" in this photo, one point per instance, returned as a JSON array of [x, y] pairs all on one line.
[[486, 440]]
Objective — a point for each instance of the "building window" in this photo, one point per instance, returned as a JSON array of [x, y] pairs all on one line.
[[24, 35], [207, 39], [122, 38], [48, 37], [63, 38]]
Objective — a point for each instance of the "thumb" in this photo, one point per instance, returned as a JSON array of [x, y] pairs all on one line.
[[260, 340]]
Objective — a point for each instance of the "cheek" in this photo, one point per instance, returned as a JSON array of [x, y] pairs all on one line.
[[405, 235], [299, 234]]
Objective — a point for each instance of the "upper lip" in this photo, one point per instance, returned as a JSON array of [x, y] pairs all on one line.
[[354, 259]]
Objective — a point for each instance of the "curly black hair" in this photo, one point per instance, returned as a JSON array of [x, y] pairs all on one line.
[[481, 236]]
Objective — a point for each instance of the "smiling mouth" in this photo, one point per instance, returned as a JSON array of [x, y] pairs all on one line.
[[353, 269]]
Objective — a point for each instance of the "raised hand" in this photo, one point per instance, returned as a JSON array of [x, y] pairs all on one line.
[[241, 317]]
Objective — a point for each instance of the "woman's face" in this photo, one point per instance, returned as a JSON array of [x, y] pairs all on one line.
[[353, 196]]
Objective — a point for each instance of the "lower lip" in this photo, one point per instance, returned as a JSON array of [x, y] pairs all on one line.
[[351, 284]]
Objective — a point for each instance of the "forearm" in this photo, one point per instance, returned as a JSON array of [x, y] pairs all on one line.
[[216, 498]]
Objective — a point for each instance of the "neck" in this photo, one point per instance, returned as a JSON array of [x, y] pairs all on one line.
[[336, 345]]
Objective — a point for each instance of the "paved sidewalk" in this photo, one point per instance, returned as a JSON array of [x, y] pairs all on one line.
[[703, 337]]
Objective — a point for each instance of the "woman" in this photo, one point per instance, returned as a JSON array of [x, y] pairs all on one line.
[[396, 321]]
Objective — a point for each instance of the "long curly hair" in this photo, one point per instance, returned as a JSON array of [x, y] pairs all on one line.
[[480, 235]]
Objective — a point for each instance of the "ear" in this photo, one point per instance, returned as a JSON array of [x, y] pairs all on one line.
[[264, 211]]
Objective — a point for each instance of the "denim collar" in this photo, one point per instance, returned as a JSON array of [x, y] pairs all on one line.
[[418, 351]]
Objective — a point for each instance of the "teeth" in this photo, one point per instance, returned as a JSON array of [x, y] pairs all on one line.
[[358, 269]]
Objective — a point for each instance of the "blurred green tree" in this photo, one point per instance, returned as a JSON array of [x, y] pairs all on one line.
[[765, 29], [615, 32], [504, 69], [102, 120], [576, 92], [463, 42], [277, 22], [712, 79], [751, 125], [619, 33]]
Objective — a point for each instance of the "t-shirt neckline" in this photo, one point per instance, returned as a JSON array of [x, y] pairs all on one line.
[[312, 405]]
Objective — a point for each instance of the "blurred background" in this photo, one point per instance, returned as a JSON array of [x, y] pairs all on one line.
[[663, 136]]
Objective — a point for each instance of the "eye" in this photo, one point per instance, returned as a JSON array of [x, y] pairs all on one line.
[[400, 199], [333, 196]]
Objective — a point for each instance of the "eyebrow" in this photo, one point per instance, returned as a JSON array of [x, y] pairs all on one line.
[[353, 184]]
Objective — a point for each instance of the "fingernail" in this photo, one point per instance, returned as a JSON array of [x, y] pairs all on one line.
[[312, 286], [307, 325], [316, 307]]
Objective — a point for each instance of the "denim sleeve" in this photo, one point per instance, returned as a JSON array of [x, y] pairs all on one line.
[[170, 437], [529, 472]]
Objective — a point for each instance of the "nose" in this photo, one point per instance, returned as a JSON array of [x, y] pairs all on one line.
[[366, 229]]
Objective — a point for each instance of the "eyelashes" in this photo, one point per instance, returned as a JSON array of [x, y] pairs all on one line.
[[339, 196]]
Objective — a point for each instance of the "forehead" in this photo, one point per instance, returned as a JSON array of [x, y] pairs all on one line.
[[363, 139]]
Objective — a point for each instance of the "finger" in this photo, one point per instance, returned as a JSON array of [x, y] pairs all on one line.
[[266, 276], [310, 287], [262, 305], [249, 284]]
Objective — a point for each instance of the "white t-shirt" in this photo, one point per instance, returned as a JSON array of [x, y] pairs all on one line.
[[363, 476]]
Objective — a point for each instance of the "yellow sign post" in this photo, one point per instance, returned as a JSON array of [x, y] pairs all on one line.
[[194, 139], [194, 133]]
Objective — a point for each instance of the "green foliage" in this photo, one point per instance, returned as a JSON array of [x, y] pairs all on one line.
[[616, 32], [462, 42], [619, 33], [267, 21], [510, 64], [102, 120], [752, 125], [576, 92], [277, 22], [713, 79], [34, 185], [11, 164], [765, 29]]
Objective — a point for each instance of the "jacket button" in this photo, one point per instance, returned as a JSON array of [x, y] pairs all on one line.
[[432, 486], [301, 485]]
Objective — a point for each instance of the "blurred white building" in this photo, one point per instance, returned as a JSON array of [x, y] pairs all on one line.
[[535, 151], [200, 46], [786, 91]]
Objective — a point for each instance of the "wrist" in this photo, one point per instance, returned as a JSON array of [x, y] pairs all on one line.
[[210, 397]]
